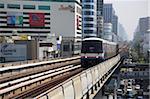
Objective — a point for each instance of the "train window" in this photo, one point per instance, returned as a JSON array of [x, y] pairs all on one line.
[[92, 47]]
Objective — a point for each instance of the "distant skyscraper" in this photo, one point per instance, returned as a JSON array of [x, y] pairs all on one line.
[[122, 33], [99, 18], [108, 13], [110, 17], [89, 13], [144, 24], [144, 29], [142, 34], [115, 24]]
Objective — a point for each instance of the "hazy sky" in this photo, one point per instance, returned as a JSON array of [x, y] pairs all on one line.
[[129, 12]]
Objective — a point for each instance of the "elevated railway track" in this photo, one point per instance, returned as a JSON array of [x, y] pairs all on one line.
[[14, 72], [39, 80], [24, 77]]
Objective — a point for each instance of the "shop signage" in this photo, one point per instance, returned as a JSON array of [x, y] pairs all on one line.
[[67, 8]]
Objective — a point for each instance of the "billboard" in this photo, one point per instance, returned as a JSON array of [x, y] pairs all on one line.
[[70, 8], [14, 18], [13, 52], [36, 19]]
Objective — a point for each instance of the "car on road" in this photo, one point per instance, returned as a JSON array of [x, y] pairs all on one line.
[[129, 88], [139, 97], [119, 92], [137, 87]]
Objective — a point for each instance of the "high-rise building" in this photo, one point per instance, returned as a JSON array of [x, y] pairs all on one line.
[[39, 18], [144, 24], [107, 31], [115, 24], [142, 35], [99, 18], [25, 18], [144, 29], [110, 17], [108, 13], [89, 16], [122, 33]]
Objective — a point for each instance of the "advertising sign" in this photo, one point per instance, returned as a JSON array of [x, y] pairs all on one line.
[[13, 52], [14, 18], [36, 19], [67, 8]]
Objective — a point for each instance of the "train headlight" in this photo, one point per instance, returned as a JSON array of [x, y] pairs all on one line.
[[97, 56], [85, 56]]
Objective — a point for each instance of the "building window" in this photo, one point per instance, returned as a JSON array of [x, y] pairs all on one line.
[[79, 33], [1, 5], [88, 31], [88, 19], [88, 13], [88, 0], [28, 6], [88, 25], [44, 7], [88, 7], [13, 6]]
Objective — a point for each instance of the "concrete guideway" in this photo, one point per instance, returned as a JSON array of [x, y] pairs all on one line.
[[25, 62], [34, 78], [14, 70], [9, 89], [86, 84], [19, 63], [24, 82]]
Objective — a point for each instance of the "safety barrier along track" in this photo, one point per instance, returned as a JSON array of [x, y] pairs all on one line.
[[84, 85]]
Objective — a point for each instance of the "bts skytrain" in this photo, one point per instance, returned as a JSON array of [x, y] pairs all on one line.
[[95, 50]]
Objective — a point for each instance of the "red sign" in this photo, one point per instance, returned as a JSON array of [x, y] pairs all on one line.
[[36, 19]]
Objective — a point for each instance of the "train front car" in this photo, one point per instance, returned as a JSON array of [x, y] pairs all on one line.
[[91, 52]]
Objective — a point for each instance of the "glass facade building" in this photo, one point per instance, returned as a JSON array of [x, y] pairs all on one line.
[[89, 15], [99, 18], [108, 13], [110, 17]]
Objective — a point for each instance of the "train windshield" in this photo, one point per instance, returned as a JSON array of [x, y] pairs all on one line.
[[92, 46]]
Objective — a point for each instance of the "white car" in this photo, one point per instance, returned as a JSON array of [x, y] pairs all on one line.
[[137, 87], [129, 88], [119, 91], [140, 97]]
